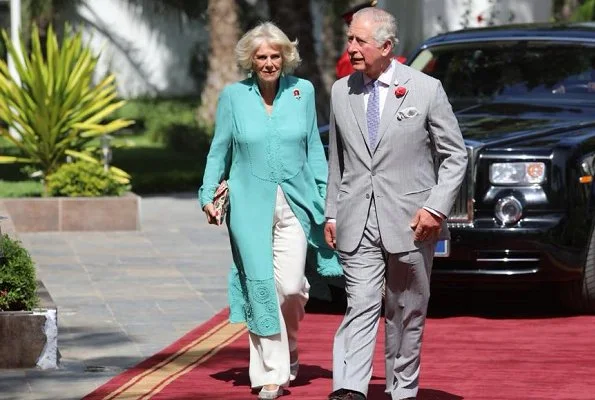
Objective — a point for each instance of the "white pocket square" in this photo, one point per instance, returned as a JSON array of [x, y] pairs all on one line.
[[408, 112]]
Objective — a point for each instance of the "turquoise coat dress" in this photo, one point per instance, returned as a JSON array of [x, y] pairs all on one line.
[[257, 152]]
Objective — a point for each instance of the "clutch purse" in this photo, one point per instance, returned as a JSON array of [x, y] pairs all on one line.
[[221, 201]]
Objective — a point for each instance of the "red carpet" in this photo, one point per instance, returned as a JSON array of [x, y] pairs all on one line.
[[463, 358]]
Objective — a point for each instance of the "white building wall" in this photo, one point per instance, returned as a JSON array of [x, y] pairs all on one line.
[[149, 52], [421, 19]]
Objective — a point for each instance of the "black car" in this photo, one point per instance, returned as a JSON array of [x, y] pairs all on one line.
[[525, 100]]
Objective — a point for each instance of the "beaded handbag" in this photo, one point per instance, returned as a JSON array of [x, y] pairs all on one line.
[[221, 201]]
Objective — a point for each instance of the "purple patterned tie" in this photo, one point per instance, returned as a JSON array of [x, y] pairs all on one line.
[[373, 113]]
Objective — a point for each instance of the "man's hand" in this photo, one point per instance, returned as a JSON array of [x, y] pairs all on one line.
[[330, 235], [426, 225], [211, 214]]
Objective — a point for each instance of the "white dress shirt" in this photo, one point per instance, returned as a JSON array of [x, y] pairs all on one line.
[[383, 85]]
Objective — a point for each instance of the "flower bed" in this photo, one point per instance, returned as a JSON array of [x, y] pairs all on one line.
[[74, 213], [28, 316]]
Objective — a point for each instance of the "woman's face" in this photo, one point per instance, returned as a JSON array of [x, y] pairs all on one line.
[[267, 63]]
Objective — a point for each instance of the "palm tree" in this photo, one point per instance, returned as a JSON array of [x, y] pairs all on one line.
[[224, 32], [295, 18]]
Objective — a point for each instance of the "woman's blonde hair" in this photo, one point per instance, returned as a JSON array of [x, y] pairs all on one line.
[[267, 32]]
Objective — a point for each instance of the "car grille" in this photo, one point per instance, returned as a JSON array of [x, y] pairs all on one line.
[[462, 211]]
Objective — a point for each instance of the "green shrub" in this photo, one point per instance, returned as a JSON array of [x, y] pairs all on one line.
[[584, 13], [84, 179], [167, 181], [17, 277], [189, 139], [166, 114], [153, 116]]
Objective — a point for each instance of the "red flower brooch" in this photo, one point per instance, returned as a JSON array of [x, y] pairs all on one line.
[[400, 91], [296, 94]]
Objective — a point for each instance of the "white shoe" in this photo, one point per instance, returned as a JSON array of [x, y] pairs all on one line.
[[266, 394]]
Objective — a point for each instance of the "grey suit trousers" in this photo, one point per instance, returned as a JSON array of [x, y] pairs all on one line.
[[406, 301]]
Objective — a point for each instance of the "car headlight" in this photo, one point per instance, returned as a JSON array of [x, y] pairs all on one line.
[[517, 173], [509, 210]]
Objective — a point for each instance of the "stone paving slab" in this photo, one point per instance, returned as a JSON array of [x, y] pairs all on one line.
[[123, 296]]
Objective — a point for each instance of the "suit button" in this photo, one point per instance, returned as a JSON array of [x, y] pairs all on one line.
[[373, 173], [367, 195]]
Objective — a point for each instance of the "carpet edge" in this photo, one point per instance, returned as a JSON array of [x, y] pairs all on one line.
[[121, 379]]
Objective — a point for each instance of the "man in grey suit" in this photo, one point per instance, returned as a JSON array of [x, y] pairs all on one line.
[[396, 162]]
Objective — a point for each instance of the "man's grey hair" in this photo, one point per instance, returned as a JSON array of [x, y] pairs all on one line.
[[384, 22]]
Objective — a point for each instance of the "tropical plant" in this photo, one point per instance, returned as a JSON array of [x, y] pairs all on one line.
[[52, 107], [17, 276]]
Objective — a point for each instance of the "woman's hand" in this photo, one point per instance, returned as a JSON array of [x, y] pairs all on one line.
[[211, 214]]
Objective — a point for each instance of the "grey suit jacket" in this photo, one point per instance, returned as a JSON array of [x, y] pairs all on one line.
[[418, 161]]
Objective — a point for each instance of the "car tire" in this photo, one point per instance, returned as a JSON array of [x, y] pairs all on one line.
[[580, 295]]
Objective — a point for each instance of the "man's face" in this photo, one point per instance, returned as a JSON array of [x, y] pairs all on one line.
[[365, 53]]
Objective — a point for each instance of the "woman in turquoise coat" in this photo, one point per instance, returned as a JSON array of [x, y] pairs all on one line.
[[267, 146]]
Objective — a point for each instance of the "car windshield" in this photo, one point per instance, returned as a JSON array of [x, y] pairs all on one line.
[[512, 70]]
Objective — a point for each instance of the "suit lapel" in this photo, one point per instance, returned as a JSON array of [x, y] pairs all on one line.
[[356, 101], [392, 103]]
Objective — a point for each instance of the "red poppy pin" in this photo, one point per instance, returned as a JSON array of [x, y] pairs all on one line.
[[400, 91], [296, 94]]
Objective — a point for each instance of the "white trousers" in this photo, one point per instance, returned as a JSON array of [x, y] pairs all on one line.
[[269, 355]]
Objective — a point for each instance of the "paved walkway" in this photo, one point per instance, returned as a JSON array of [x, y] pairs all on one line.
[[124, 296]]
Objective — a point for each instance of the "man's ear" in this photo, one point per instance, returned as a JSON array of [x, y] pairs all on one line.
[[387, 48]]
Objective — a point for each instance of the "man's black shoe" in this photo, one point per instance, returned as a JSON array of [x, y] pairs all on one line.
[[337, 394], [344, 394], [353, 395]]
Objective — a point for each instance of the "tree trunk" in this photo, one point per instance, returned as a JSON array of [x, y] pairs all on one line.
[[223, 28], [564, 9], [295, 18]]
